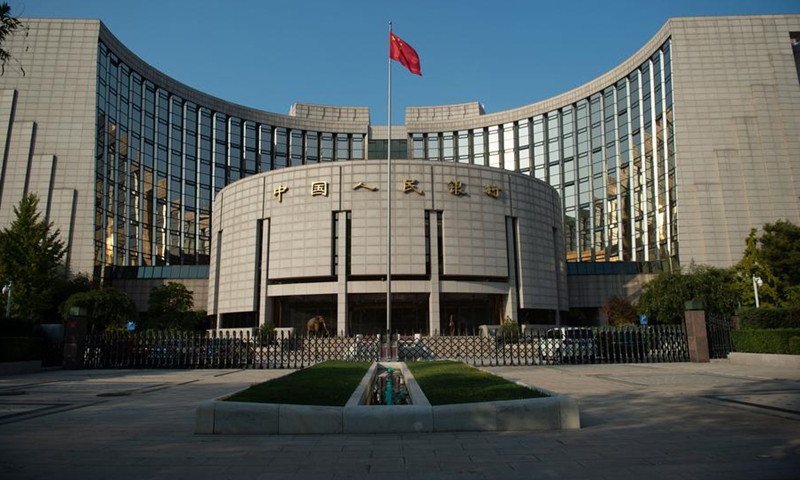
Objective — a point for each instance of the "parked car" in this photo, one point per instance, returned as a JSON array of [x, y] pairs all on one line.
[[568, 344]]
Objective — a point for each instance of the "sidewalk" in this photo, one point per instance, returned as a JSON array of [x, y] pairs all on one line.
[[651, 421]]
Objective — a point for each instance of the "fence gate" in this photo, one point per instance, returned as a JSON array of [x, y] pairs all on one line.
[[719, 329], [546, 346]]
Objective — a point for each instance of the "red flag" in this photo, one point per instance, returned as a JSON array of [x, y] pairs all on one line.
[[403, 53]]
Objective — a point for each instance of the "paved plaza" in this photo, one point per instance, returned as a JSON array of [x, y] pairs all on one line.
[[642, 421]]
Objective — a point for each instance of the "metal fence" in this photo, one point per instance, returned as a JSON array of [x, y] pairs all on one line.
[[553, 346], [718, 329]]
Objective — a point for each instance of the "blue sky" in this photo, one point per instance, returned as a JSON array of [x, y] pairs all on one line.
[[271, 54]]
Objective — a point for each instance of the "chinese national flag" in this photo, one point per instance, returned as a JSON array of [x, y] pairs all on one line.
[[403, 53]]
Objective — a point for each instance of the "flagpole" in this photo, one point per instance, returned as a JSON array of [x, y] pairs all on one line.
[[389, 208]]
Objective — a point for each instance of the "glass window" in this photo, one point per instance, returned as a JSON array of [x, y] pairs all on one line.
[[448, 147], [494, 146], [463, 146], [250, 149], [281, 147], [312, 147], [342, 152], [538, 129], [479, 146], [569, 171], [418, 142], [433, 146], [555, 175], [524, 159], [523, 133], [235, 143], [296, 148], [327, 147], [509, 147], [266, 148], [358, 146]]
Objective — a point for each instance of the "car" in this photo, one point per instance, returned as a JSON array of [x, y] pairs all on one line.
[[568, 344]]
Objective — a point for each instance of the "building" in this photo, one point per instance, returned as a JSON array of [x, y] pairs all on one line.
[[667, 159], [470, 244]]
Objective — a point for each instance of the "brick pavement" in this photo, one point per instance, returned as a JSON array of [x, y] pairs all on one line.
[[653, 421]]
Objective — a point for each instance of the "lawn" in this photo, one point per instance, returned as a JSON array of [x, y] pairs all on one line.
[[328, 383], [447, 382], [332, 383]]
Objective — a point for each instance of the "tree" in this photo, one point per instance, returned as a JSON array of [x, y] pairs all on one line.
[[752, 263], [775, 258], [31, 254], [107, 308], [620, 311], [170, 308], [8, 25], [663, 298], [780, 249]]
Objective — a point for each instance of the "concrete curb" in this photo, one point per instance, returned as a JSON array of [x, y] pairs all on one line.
[[765, 359], [17, 368], [239, 418], [557, 412]]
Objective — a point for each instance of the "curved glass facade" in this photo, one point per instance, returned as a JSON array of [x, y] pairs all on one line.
[[611, 157], [161, 158]]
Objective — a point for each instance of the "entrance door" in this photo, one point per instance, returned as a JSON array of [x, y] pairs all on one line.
[[409, 313]]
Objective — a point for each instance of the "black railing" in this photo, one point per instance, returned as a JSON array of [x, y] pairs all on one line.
[[553, 346], [718, 329]]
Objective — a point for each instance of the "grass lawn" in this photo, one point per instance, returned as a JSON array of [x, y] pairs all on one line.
[[328, 383], [448, 382], [332, 383]]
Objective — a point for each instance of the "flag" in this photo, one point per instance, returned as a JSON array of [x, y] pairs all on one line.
[[403, 53]]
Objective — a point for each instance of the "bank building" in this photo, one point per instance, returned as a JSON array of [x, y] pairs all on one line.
[[539, 213]]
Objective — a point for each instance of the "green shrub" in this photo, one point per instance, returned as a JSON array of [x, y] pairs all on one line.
[[510, 330], [780, 340], [755, 318], [19, 349]]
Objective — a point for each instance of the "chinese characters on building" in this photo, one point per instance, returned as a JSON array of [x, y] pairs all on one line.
[[410, 185], [279, 191], [492, 190], [454, 187], [319, 189]]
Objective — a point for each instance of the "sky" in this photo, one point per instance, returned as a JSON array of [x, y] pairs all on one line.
[[270, 54]]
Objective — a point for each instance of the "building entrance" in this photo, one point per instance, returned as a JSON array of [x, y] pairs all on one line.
[[367, 313], [295, 311], [467, 311]]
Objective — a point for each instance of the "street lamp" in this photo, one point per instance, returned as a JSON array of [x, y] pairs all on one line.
[[7, 290], [757, 282]]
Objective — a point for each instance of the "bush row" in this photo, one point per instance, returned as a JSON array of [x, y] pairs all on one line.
[[768, 318], [19, 349], [782, 341]]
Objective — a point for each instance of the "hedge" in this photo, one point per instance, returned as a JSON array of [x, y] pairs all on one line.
[[783, 341], [20, 349], [755, 318]]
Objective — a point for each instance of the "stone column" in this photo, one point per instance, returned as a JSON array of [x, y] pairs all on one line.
[[75, 339], [434, 299], [697, 336], [511, 306], [265, 315], [341, 328]]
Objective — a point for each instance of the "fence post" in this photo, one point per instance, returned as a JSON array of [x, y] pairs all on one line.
[[75, 339], [696, 334]]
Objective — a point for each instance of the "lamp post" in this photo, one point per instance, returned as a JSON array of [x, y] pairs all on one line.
[[8, 289], [757, 282]]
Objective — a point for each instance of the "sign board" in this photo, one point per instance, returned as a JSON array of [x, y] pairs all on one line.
[[643, 319]]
